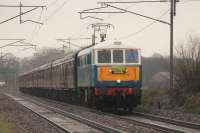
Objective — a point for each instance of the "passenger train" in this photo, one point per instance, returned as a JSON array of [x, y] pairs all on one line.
[[108, 74]]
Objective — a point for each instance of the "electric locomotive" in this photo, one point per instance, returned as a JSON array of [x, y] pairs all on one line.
[[108, 74]]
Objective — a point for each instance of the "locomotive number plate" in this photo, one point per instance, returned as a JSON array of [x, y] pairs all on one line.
[[118, 70]]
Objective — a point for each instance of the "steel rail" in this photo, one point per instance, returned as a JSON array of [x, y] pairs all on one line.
[[39, 115], [139, 123], [167, 120], [153, 126], [90, 123]]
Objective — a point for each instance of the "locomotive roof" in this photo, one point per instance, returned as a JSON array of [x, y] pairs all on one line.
[[114, 44], [110, 44]]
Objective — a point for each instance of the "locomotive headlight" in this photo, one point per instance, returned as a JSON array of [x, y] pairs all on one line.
[[118, 81]]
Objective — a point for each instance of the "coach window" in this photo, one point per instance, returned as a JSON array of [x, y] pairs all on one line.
[[82, 61], [132, 56], [104, 56], [117, 56], [85, 59], [79, 62], [89, 59]]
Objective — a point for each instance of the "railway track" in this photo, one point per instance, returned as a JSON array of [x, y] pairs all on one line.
[[167, 120], [149, 121], [160, 124], [21, 101], [95, 125]]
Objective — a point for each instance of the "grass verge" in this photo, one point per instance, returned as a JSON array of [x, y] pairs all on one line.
[[6, 126]]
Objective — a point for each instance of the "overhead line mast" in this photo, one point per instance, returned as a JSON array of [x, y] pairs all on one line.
[[20, 6], [14, 44]]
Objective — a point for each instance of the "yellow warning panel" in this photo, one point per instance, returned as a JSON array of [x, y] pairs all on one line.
[[117, 73]]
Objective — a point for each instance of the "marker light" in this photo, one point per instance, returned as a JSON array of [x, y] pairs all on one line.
[[118, 81]]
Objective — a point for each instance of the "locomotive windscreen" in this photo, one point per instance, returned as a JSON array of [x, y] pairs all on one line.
[[132, 56], [118, 56], [104, 56]]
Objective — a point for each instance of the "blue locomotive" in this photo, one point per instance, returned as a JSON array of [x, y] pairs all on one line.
[[108, 74]]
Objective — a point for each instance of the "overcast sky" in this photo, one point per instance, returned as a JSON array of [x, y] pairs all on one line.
[[61, 20]]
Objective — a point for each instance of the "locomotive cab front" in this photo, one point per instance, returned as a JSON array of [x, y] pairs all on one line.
[[118, 76]]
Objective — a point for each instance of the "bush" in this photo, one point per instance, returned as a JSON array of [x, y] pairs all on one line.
[[154, 98], [187, 67], [192, 104]]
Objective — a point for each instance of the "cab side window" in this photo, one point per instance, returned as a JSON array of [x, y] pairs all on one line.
[[84, 60], [132, 56], [89, 59]]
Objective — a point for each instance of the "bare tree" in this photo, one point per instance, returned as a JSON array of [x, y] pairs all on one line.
[[41, 57], [187, 69], [9, 68]]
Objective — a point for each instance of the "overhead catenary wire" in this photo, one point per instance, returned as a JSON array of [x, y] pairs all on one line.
[[86, 31], [189, 0], [109, 16], [117, 14], [143, 28], [21, 13], [57, 10], [10, 43], [161, 21], [53, 3], [18, 15], [36, 29], [125, 9], [135, 2], [21, 43]]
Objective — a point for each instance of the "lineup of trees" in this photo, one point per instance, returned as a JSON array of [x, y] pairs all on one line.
[[9, 68], [41, 57], [152, 65]]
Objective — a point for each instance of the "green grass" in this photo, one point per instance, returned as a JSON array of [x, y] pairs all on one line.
[[5, 125]]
